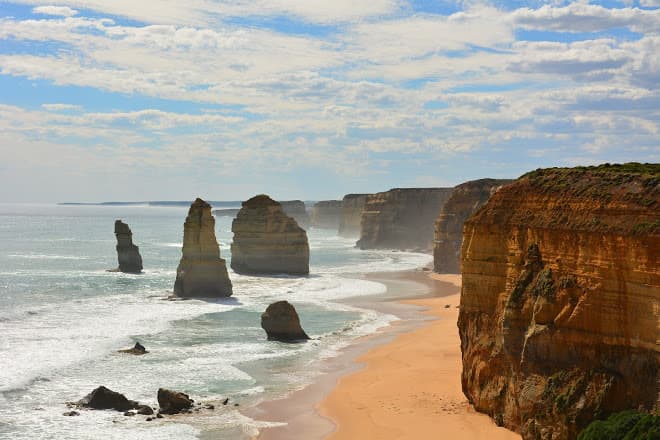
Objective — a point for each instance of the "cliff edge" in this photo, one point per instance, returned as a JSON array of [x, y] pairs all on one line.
[[465, 199], [560, 305]]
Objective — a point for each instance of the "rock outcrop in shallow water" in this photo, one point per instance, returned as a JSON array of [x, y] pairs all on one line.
[[401, 218], [267, 241], [560, 304], [465, 199], [351, 214], [128, 254], [326, 214], [201, 271], [281, 323]]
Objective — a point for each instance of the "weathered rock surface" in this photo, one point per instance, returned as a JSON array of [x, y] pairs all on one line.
[[351, 214], [173, 402], [560, 305], [297, 210], [465, 199], [104, 398], [267, 241], [201, 271], [326, 214], [281, 323], [138, 349], [401, 218], [128, 254]]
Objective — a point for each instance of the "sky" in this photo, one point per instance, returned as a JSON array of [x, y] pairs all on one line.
[[312, 99]]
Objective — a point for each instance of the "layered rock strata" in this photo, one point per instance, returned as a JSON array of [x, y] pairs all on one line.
[[267, 241], [281, 323], [560, 305], [465, 199], [401, 218], [201, 271], [326, 214], [128, 254], [351, 214], [297, 210]]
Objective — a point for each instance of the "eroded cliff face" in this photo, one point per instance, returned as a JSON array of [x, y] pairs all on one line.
[[326, 214], [559, 316], [201, 271], [465, 199], [351, 214], [268, 241], [401, 218]]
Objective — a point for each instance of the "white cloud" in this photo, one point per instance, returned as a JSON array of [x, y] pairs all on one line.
[[584, 17], [62, 11], [60, 107]]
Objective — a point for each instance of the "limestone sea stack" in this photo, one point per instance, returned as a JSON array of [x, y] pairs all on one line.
[[560, 305], [401, 218], [201, 271], [465, 199], [326, 214], [351, 214], [297, 210], [281, 323], [128, 254], [267, 241]]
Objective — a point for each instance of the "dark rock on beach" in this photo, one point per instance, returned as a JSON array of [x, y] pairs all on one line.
[[281, 323], [173, 402], [104, 398], [144, 410]]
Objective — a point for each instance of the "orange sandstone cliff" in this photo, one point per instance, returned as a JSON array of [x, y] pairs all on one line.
[[401, 218], [560, 305], [351, 214], [465, 199]]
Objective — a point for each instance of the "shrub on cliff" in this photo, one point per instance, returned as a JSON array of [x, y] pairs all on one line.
[[625, 425]]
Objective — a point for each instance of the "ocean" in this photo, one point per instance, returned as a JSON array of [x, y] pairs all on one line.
[[63, 317]]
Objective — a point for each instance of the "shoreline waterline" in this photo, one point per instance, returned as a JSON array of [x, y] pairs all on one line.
[[297, 413]]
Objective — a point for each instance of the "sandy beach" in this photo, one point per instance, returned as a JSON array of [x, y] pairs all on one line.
[[402, 383]]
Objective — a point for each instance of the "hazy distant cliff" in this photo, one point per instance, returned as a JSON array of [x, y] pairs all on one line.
[[465, 199], [559, 316], [401, 218], [326, 214], [351, 214]]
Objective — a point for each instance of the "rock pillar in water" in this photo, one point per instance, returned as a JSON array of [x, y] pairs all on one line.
[[267, 241], [201, 271], [281, 323], [128, 254]]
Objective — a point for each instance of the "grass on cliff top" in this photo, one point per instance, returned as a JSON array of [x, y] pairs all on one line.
[[645, 169], [625, 425], [636, 183]]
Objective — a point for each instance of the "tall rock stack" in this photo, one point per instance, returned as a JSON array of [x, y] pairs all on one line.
[[351, 214], [465, 200], [201, 272], [560, 305], [128, 254], [401, 218], [326, 214], [267, 241]]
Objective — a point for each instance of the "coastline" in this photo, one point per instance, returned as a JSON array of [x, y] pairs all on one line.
[[326, 409], [297, 412]]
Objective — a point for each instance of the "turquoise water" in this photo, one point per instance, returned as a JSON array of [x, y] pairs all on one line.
[[63, 316]]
